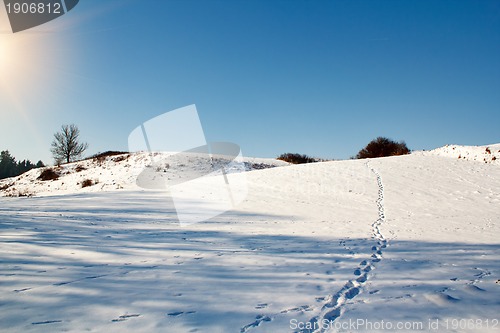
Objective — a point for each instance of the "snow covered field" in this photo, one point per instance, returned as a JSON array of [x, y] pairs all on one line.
[[407, 243]]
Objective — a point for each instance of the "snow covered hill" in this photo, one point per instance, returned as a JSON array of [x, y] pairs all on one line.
[[408, 243], [113, 172], [485, 154]]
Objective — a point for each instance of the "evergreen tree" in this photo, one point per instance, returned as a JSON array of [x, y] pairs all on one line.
[[24, 166], [7, 165], [10, 168]]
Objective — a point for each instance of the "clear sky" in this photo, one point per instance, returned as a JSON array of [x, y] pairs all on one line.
[[316, 77]]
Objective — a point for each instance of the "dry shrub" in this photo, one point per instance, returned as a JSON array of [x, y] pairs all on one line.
[[102, 156], [296, 158], [80, 168], [121, 158], [381, 147], [48, 174], [16, 194], [6, 186], [87, 183]]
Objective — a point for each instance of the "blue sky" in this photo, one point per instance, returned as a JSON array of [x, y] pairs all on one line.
[[316, 77]]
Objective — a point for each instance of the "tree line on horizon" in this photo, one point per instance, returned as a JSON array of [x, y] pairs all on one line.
[[9, 167]]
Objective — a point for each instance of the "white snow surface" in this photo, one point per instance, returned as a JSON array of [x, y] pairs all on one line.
[[485, 154], [407, 243]]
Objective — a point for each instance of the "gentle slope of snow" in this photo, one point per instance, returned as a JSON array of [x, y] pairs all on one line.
[[410, 239]]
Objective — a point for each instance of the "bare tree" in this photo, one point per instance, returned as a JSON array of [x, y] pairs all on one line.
[[66, 145]]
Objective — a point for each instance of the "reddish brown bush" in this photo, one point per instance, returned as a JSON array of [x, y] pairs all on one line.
[[381, 147], [296, 158], [48, 174], [87, 183], [80, 168]]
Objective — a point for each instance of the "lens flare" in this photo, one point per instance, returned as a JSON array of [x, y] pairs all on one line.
[[10, 56], [4, 56]]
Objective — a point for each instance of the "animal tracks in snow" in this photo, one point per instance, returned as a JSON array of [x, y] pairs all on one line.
[[125, 317], [179, 313], [258, 320], [78, 280], [46, 322], [333, 305]]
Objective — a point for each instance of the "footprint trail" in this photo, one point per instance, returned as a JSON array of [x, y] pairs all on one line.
[[333, 305]]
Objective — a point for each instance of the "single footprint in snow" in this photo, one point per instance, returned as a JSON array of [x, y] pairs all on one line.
[[362, 278], [125, 317], [410, 286], [258, 320], [332, 315], [46, 322], [263, 318], [351, 293], [473, 288], [441, 299], [178, 313]]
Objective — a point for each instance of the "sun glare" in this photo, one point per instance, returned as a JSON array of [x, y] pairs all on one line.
[[3, 54], [23, 63], [10, 58]]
